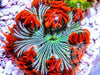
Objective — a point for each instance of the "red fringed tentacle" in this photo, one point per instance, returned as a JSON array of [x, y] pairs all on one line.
[[36, 3], [78, 15], [76, 53], [10, 39], [28, 18], [57, 9], [26, 60], [83, 37], [54, 66], [69, 71]]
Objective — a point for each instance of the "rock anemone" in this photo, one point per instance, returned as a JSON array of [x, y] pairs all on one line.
[[47, 39]]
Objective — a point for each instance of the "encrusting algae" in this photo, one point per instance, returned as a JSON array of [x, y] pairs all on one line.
[[54, 28]]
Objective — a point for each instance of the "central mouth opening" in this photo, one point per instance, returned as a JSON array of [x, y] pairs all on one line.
[[53, 39]]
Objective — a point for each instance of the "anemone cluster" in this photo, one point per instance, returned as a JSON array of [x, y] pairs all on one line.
[[47, 39]]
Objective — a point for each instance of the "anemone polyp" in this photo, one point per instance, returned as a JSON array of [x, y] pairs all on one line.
[[56, 52], [85, 4]]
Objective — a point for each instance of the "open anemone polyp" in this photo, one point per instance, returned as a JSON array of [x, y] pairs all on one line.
[[47, 39]]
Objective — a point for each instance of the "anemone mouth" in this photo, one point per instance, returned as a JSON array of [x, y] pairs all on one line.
[[53, 39]]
